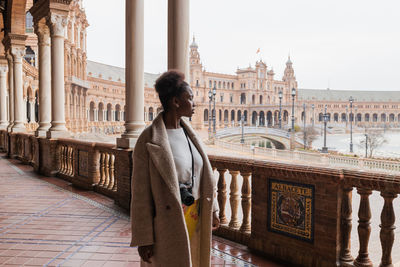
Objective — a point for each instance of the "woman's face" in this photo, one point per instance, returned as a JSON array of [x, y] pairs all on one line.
[[185, 103]]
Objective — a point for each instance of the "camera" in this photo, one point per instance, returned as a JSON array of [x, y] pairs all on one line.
[[186, 195]]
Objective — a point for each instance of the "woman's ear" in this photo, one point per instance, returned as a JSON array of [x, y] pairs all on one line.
[[175, 102]]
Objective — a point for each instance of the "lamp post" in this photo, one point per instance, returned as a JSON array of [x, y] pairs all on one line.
[[293, 95], [304, 127], [209, 114], [351, 123], [242, 125], [324, 148], [280, 109], [312, 107], [214, 92]]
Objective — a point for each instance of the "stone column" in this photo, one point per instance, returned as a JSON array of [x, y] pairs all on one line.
[[32, 110], [19, 115], [134, 93], [178, 35], [10, 91], [57, 24], [3, 97], [43, 33]]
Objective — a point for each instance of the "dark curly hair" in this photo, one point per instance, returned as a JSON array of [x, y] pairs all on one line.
[[168, 85]]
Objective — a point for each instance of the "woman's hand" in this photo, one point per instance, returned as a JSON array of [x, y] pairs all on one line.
[[146, 252], [215, 221]]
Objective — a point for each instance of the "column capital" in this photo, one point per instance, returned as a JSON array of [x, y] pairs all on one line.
[[57, 23], [43, 33], [3, 69], [17, 52]]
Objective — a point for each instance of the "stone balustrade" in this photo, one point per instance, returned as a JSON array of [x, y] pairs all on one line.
[[299, 213]]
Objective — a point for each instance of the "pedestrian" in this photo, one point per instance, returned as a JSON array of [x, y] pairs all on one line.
[[173, 205]]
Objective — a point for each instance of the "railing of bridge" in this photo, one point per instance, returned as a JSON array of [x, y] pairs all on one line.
[[245, 198]]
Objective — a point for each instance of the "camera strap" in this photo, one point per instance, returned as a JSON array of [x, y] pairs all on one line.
[[191, 153]]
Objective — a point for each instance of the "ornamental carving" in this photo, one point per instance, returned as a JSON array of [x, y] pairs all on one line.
[[43, 33], [17, 53], [57, 24], [3, 69]]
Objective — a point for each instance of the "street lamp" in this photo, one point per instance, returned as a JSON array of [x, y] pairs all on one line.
[[304, 127], [351, 123], [324, 148], [312, 107], [214, 92], [210, 114], [293, 95], [280, 109]]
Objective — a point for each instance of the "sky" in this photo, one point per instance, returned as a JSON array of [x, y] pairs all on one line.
[[336, 44]]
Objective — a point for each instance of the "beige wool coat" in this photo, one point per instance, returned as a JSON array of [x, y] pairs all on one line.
[[156, 211]]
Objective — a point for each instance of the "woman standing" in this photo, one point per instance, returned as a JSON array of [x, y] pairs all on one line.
[[173, 205]]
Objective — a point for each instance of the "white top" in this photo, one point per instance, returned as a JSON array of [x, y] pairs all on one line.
[[183, 159]]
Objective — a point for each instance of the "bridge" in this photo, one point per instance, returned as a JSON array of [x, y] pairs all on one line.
[[278, 138]]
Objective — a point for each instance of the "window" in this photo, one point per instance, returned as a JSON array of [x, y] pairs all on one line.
[[210, 83], [222, 97], [231, 98], [197, 83]]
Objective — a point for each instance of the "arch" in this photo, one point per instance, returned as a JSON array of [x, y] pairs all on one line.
[[109, 112], [245, 115], [239, 115], [269, 118], [261, 99], [151, 114], [383, 117], [366, 117], [253, 99], [262, 119], [374, 117], [118, 112], [254, 118], [329, 116], [358, 117], [16, 17], [220, 115], [101, 112], [320, 117], [205, 116], [336, 117], [391, 117], [302, 116], [232, 115], [285, 115], [242, 98], [226, 116], [344, 117], [92, 106]]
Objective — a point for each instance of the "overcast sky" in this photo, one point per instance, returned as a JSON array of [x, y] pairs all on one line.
[[340, 44]]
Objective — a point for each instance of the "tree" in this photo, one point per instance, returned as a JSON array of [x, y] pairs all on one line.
[[374, 140], [311, 135]]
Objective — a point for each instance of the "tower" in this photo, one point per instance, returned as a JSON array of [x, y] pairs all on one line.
[[195, 65]]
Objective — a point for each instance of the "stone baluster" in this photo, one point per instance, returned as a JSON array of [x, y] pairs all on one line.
[[111, 172], [364, 228], [387, 229], [222, 196], [71, 160], [246, 202], [106, 170], [345, 226], [102, 174], [234, 200]]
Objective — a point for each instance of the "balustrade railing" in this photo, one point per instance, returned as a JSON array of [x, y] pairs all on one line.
[[107, 167]]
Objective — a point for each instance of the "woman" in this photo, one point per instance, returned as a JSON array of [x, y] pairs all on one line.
[[169, 164]]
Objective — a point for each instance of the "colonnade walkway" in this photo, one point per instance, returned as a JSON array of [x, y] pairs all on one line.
[[46, 222]]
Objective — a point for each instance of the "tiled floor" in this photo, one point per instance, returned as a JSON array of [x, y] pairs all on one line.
[[46, 222]]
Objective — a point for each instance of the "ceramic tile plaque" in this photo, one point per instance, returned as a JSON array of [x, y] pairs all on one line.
[[291, 209]]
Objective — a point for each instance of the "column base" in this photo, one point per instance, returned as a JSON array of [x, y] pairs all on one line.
[[58, 134], [3, 126], [41, 133], [125, 142], [18, 129]]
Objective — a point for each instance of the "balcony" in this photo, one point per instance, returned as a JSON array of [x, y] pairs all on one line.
[[299, 214]]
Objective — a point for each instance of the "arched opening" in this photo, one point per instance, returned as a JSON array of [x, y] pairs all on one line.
[[30, 55], [109, 112], [205, 117], [336, 117], [118, 112], [101, 112], [383, 117], [220, 115], [344, 117], [269, 118], [243, 98], [239, 115], [285, 116], [329, 116], [151, 113], [226, 116], [320, 117], [302, 116], [359, 116], [261, 99], [91, 111], [391, 117], [253, 99], [232, 115], [254, 118], [262, 119], [374, 117], [366, 116], [245, 115]]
